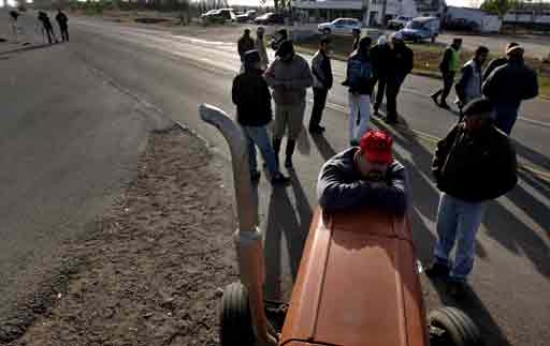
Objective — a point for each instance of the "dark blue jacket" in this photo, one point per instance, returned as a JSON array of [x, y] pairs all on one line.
[[342, 187]]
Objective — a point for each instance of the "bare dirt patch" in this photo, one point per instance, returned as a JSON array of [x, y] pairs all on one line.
[[154, 267]]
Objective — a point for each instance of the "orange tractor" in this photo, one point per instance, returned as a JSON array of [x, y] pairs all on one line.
[[357, 284]]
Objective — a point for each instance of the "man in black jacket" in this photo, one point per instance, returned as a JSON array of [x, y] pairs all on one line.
[[62, 20], [251, 95], [498, 62], [401, 65], [473, 164], [364, 176], [381, 55], [322, 82], [508, 86]]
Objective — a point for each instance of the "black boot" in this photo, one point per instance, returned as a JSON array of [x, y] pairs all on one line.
[[290, 145], [276, 148]]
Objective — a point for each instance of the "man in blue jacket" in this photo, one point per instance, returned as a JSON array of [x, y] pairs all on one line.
[[364, 176]]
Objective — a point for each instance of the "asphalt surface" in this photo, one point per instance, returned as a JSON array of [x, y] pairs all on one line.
[[166, 75]]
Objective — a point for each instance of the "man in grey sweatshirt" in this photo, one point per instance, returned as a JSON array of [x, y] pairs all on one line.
[[289, 76], [364, 176]]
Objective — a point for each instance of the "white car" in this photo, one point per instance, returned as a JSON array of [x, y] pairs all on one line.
[[340, 26]]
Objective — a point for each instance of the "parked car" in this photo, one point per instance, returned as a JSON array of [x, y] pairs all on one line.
[[398, 22], [421, 28], [246, 17], [270, 18], [340, 26], [461, 24], [222, 15]]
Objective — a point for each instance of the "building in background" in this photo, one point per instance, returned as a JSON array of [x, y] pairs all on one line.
[[371, 12]]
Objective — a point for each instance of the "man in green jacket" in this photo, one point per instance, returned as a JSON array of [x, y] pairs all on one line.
[[449, 66]]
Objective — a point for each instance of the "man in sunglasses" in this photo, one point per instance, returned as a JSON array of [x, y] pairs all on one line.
[[364, 176]]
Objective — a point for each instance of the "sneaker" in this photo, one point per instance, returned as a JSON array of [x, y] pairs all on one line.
[[279, 179], [255, 176], [457, 289], [438, 270], [375, 112], [390, 121]]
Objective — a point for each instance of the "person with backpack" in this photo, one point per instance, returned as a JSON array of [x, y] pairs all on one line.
[[401, 64], [359, 75], [322, 82], [251, 96]]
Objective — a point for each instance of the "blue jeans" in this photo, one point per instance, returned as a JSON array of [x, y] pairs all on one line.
[[457, 219], [505, 116], [257, 136]]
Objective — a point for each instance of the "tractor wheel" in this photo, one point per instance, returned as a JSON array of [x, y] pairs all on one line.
[[452, 327], [235, 320]]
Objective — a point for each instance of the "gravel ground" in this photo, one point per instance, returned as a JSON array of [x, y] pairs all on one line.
[[152, 271]]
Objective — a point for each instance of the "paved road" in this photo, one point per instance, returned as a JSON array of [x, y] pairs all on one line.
[[171, 75]]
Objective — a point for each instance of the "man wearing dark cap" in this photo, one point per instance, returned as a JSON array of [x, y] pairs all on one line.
[[473, 164], [251, 95], [449, 66], [508, 85], [289, 75], [364, 176]]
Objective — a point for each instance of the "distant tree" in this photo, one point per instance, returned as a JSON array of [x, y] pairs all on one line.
[[498, 7]]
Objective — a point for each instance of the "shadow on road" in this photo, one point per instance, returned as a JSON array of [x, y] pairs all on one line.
[[26, 48], [286, 230], [324, 147]]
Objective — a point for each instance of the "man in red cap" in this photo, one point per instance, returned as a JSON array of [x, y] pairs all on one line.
[[367, 175]]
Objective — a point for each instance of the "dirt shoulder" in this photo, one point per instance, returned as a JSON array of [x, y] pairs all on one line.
[[153, 269]]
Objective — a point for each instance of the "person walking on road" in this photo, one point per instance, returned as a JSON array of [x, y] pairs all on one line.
[[401, 64], [47, 26], [322, 82], [381, 55], [245, 44], [364, 176], [468, 87], [359, 77], [260, 47], [473, 164], [251, 96], [493, 64], [449, 66], [507, 86], [63, 21], [289, 75]]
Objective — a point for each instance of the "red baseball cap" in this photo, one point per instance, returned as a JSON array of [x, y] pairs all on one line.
[[376, 146]]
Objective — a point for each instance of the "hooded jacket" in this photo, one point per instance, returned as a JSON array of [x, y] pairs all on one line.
[[289, 80]]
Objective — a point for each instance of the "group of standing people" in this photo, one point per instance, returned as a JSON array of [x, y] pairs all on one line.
[[47, 27], [506, 82], [290, 75]]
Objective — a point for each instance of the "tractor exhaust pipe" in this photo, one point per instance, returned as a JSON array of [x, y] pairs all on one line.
[[248, 238]]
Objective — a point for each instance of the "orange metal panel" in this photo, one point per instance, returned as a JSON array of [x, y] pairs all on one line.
[[357, 284]]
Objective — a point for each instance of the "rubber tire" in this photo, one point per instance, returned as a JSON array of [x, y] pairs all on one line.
[[461, 329], [235, 320], [326, 31]]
